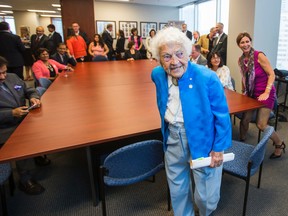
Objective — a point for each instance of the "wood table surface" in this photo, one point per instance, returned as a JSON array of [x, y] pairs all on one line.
[[97, 103]]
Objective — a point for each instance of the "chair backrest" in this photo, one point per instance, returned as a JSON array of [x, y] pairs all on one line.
[[5, 171], [258, 153], [44, 82], [134, 163]]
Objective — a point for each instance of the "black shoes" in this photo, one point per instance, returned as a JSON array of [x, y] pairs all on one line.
[[31, 187], [42, 160], [282, 146]]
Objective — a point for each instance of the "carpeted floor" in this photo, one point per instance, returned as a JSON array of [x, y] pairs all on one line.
[[68, 189]]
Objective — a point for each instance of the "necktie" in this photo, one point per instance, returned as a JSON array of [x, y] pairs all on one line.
[[37, 39]]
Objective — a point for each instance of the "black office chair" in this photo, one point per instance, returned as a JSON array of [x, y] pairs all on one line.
[[131, 164], [248, 160], [5, 174]]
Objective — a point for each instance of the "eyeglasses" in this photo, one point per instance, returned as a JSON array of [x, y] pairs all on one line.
[[215, 58], [167, 57]]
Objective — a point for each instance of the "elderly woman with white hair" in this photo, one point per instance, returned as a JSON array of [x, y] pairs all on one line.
[[195, 122]]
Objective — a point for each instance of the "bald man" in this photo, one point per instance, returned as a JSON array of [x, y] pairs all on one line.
[[38, 40]]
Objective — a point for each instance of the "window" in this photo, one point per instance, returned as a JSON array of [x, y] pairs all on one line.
[[282, 54], [10, 20], [58, 25], [204, 15]]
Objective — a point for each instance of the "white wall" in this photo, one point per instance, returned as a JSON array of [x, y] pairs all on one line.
[[266, 31], [260, 18], [133, 12], [30, 19]]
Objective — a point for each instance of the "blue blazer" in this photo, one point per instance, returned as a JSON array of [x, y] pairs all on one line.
[[205, 110]]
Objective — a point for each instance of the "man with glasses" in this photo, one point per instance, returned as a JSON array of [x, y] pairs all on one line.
[[13, 109], [195, 123]]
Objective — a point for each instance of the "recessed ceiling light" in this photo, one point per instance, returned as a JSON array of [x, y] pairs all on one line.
[[56, 5], [41, 11], [6, 6], [50, 15]]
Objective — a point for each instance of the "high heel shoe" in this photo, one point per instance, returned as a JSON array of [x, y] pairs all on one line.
[[282, 146]]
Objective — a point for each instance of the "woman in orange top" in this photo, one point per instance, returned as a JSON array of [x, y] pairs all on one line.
[[77, 46]]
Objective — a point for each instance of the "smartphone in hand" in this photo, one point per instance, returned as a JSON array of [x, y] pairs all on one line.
[[32, 107]]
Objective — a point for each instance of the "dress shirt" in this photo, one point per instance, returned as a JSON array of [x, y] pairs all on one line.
[[173, 112]]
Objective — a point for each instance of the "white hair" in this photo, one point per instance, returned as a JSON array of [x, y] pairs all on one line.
[[167, 36]]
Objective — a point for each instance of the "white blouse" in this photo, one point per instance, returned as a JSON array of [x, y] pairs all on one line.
[[225, 78]]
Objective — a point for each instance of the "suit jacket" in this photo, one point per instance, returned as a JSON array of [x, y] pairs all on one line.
[[204, 106], [204, 43], [66, 60], [108, 40], [36, 45], [12, 49], [41, 71], [221, 47], [53, 42], [20, 92], [85, 37], [189, 34], [201, 60]]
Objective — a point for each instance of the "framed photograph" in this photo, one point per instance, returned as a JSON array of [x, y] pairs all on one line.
[[145, 27], [126, 26], [162, 25], [102, 24]]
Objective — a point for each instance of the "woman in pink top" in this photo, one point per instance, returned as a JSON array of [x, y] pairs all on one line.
[[257, 82], [98, 49], [45, 67], [136, 38]]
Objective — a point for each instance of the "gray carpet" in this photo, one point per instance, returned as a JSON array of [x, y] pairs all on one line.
[[68, 189]]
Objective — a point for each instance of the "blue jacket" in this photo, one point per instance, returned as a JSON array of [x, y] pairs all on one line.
[[205, 110]]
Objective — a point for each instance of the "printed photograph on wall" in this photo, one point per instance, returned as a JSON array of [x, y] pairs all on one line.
[[101, 26], [126, 26], [145, 27], [162, 25]]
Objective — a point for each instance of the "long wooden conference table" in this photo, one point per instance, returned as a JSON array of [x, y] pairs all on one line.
[[98, 104]]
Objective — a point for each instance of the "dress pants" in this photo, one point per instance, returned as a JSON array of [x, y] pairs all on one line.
[[207, 180]]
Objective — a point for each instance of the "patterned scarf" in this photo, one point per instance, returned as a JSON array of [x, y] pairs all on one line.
[[248, 72]]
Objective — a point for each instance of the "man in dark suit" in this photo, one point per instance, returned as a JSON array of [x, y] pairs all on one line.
[[54, 38], [187, 32], [12, 49], [196, 55], [38, 40], [108, 40], [13, 109], [220, 43], [63, 55]]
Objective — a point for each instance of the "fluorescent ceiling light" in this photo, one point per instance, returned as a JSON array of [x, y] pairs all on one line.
[[58, 9], [56, 5], [6, 6], [50, 15], [41, 11], [2, 13], [7, 11]]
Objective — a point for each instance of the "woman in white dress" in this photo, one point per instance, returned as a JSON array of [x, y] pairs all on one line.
[[215, 63], [149, 39]]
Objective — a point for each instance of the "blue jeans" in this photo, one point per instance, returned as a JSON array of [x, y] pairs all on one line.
[[207, 180]]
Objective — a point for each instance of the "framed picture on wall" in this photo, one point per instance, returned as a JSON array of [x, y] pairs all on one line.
[[126, 26], [102, 24], [145, 27], [162, 25]]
